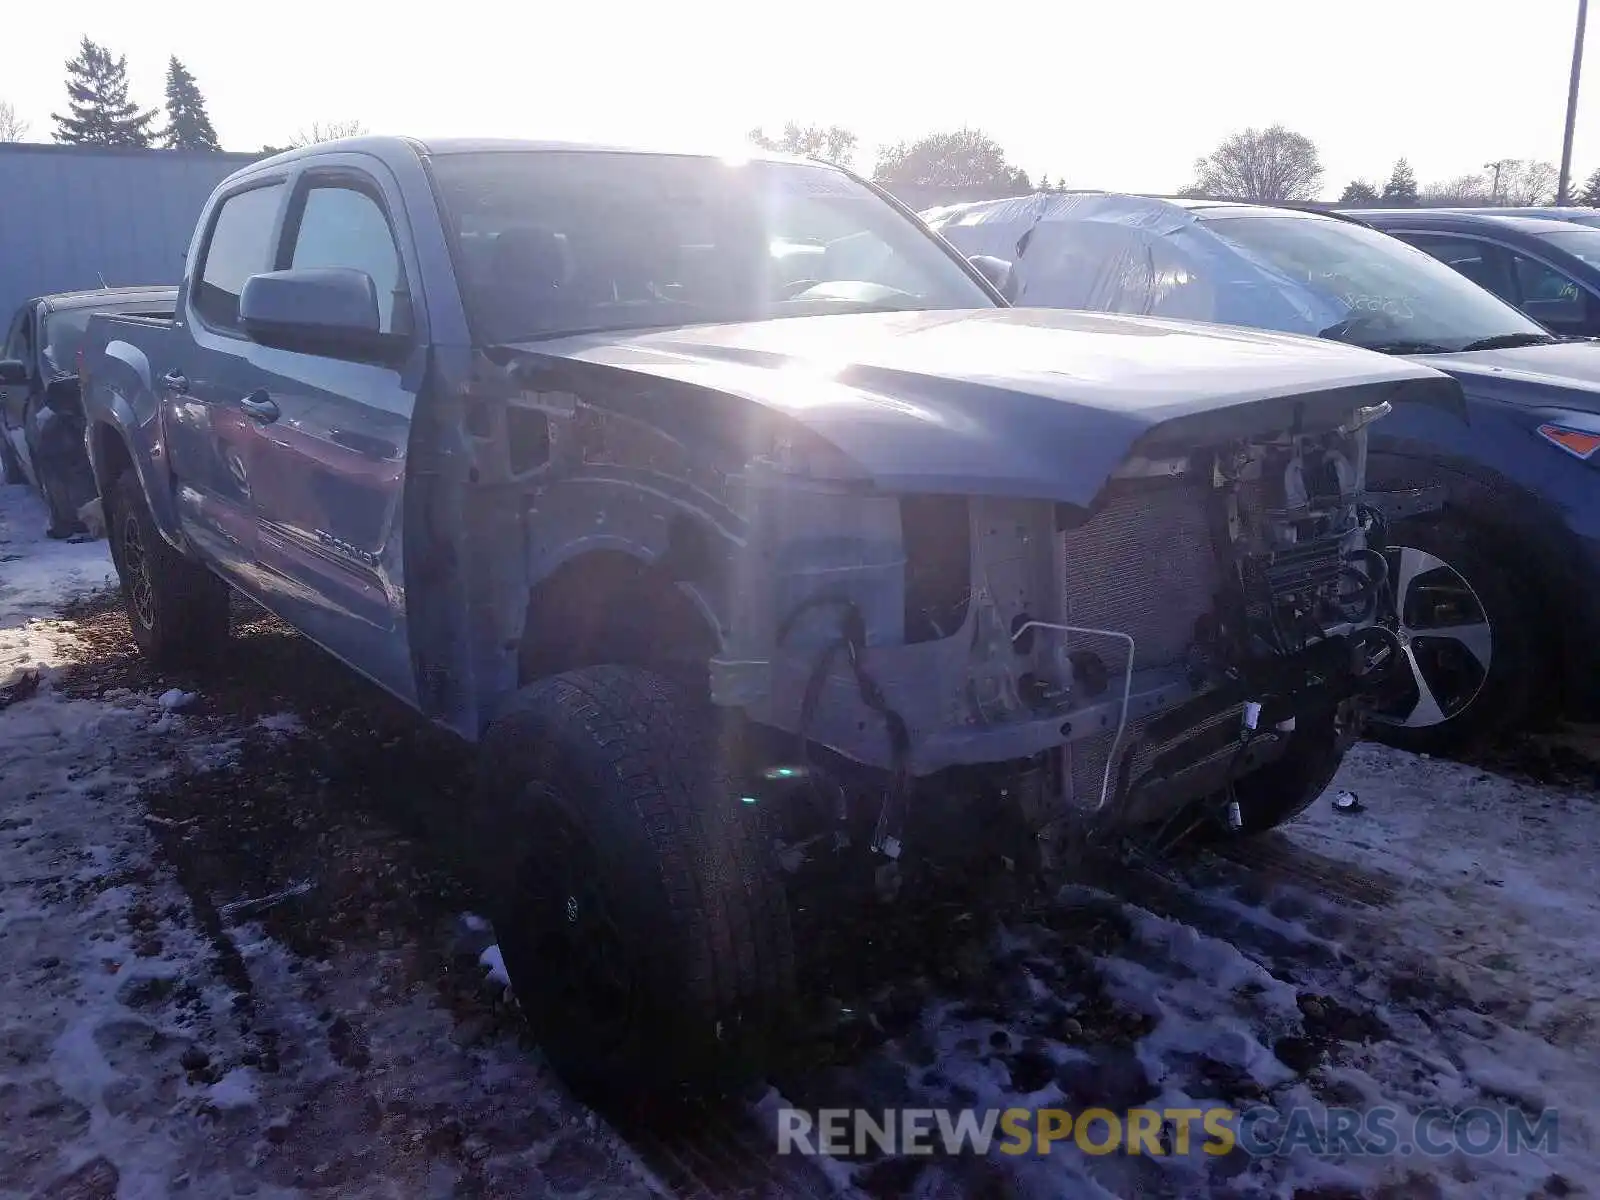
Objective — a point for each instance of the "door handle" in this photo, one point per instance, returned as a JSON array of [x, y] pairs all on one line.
[[176, 381], [260, 406]]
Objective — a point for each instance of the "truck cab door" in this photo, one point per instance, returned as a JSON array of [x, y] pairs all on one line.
[[205, 375], [331, 430]]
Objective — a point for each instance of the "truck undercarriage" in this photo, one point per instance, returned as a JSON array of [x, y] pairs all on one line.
[[1107, 669]]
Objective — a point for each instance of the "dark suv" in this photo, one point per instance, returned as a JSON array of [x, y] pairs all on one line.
[[1549, 269], [41, 417]]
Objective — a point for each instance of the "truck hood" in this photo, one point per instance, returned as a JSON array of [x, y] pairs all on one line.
[[1563, 374], [1040, 403]]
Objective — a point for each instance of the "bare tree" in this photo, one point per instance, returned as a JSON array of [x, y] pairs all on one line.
[[327, 131], [1265, 165], [831, 143], [1528, 182], [1464, 191], [12, 127]]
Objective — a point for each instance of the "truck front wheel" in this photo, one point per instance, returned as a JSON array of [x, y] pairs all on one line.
[[1280, 791], [177, 609], [639, 913]]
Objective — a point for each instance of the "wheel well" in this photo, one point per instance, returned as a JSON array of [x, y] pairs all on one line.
[[608, 607], [1522, 526], [1513, 529]]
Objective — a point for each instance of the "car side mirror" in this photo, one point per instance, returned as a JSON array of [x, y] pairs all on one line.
[[997, 271], [13, 371], [328, 310]]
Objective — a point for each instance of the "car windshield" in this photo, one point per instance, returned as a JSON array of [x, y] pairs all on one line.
[[553, 242], [1396, 297], [1580, 243]]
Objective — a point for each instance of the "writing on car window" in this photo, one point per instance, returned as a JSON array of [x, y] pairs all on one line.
[[1392, 292]]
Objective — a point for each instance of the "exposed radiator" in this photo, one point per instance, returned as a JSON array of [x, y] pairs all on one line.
[[1144, 566], [1086, 760]]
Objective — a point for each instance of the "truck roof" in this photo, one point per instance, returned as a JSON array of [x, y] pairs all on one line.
[[384, 146], [116, 295]]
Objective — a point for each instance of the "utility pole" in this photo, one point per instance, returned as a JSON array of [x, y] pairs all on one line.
[[1563, 185], [1497, 166]]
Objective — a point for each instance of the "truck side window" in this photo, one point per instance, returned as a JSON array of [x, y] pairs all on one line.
[[240, 246], [345, 227]]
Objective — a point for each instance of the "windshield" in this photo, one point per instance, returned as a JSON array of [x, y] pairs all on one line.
[[552, 242], [1394, 296], [1580, 243]]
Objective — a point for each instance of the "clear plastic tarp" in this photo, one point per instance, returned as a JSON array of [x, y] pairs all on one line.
[[1133, 254]]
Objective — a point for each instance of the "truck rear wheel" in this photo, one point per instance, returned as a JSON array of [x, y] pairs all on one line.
[[639, 913], [11, 471], [177, 609]]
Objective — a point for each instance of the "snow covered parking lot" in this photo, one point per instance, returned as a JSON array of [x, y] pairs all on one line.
[[236, 962]]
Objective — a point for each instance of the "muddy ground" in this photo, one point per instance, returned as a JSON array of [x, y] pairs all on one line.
[[298, 1005]]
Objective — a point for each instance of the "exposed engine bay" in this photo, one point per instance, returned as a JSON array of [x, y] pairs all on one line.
[[1116, 664]]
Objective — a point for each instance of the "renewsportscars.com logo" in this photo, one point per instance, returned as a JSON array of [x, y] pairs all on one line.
[[1259, 1132]]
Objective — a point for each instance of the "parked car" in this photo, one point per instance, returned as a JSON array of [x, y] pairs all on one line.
[[1548, 269], [1574, 214], [41, 418], [1497, 592], [673, 481]]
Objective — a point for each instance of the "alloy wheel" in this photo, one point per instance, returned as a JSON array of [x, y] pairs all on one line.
[[1445, 636], [136, 565]]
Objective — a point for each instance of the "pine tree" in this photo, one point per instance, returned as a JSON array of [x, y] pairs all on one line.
[[1590, 196], [100, 113], [1358, 191], [188, 126], [1401, 190]]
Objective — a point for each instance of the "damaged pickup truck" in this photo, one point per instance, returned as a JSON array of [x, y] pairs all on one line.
[[719, 501]]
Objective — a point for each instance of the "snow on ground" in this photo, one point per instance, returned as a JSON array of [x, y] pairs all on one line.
[[158, 1042], [36, 575], [1500, 880], [230, 969], [1432, 957]]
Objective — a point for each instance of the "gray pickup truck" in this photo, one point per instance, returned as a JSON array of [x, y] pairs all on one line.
[[732, 512]]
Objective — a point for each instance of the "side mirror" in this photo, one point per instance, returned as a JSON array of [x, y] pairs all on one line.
[[331, 310], [13, 371], [998, 272]]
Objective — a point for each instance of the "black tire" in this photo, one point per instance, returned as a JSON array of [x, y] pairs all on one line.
[[638, 910], [1476, 585], [177, 609], [10, 466], [1280, 791]]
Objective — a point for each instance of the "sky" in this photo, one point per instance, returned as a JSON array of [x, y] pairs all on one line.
[[1122, 96]]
